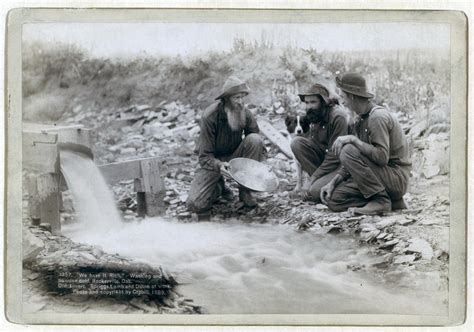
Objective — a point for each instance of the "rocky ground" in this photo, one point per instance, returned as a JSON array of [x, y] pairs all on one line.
[[415, 239], [54, 267]]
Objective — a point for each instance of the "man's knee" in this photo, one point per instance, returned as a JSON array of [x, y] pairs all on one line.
[[315, 190], [297, 144], [254, 140], [197, 205], [348, 152]]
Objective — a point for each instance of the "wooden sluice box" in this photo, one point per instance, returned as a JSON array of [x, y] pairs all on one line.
[[42, 145]]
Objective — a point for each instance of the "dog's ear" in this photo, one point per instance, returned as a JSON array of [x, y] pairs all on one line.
[[290, 122], [304, 124]]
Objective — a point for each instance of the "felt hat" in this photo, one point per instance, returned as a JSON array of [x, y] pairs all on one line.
[[354, 83], [232, 86], [316, 89]]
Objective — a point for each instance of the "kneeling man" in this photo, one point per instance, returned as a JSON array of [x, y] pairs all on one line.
[[326, 123], [375, 161], [222, 126]]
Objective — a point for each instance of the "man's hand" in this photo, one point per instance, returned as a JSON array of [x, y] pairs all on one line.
[[225, 169], [312, 179], [340, 142], [326, 192]]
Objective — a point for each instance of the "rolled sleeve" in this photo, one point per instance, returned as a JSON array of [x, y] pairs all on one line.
[[344, 173], [378, 149]]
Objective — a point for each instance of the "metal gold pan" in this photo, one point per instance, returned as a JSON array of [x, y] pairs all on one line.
[[252, 174]]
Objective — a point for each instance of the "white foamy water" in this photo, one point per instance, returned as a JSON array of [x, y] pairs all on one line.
[[248, 268], [93, 200], [236, 268]]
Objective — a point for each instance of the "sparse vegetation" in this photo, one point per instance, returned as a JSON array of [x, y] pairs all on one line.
[[414, 83]]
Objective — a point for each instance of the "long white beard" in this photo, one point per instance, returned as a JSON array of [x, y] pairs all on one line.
[[236, 118]]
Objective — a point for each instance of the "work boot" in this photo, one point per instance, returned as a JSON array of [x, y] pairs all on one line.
[[227, 194], [378, 204], [245, 195], [399, 204]]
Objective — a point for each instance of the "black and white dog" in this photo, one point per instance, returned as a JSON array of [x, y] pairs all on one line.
[[297, 125]]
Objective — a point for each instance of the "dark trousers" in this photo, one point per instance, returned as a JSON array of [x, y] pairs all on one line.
[[310, 156], [367, 179], [207, 185]]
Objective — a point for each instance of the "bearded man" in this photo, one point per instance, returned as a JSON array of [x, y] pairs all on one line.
[[222, 126], [326, 122]]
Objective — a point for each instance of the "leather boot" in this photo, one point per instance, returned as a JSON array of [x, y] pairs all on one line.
[[245, 195], [378, 204], [399, 204], [227, 194]]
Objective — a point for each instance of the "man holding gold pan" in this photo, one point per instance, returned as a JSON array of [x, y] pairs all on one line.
[[220, 140]]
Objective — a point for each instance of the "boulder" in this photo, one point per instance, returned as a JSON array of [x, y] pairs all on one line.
[[386, 222], [405, 259], [419, 129], [31, 246], [155, 128], [389, 244], [422, 247]]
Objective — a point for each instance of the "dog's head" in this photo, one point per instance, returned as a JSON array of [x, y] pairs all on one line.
[[296, 124]]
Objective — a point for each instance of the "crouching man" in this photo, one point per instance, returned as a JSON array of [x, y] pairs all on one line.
[[222, 126], [375, 161], [326, 123]]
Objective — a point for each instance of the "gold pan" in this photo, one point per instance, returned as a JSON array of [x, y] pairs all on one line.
[[252, 174]]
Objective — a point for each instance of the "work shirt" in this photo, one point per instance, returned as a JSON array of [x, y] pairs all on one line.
[[217, 139], [380, 128], [323, 134]]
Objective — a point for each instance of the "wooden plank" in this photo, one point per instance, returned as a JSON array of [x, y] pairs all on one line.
[[120, 171], [141, 204], [33, 200], [138, 186], [48, 193], [126, 170], [40, 152], [275, 137], [79, 136], [153, 186], [43, 127]]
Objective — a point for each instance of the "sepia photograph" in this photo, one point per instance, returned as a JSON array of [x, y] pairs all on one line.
[[220, 162]]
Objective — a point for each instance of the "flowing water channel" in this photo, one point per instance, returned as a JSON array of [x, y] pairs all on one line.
[[236, 268]]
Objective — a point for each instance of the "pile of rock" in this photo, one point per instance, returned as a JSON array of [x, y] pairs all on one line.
[[54, 263]]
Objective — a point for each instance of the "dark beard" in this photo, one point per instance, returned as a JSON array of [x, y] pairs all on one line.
[[315, 115]]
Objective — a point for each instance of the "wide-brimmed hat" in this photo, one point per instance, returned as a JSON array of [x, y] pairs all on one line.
[[232, 86], [316, 89], [355, 84]]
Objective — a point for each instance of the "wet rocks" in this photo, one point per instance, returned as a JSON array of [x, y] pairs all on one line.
[[386, 222], [421, 247], [335, 230], [369, 235], [31, 246], [64, 262], [389, 244], [405, 259]]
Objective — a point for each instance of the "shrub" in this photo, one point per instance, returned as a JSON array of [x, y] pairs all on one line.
[[44, 108]]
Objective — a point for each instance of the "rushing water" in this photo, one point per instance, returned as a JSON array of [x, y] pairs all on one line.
[[93, 200], [248, 268]]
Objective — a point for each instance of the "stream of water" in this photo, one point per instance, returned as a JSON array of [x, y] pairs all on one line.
[[236, 268]]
